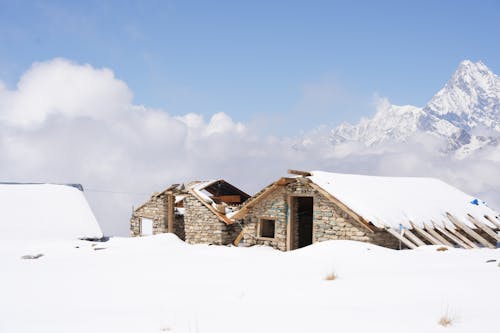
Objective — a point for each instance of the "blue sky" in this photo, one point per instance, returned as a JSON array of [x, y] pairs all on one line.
[[286, 65]]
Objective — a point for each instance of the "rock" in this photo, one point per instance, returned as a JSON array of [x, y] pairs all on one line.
[[32, 256]]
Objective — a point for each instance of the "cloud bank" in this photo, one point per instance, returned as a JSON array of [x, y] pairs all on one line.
[[66, 122]]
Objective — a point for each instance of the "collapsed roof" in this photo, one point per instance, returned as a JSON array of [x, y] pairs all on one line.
[[220, 197]]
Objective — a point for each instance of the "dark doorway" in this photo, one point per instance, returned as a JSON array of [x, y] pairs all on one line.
[[304, 219]]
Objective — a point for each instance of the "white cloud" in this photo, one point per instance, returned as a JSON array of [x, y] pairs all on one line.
[[66, 122]]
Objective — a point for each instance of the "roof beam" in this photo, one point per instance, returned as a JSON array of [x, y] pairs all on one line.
[[221, 217], [469, 231], [484, 227], [452, 237], [401, 238], [299, 173], [436, 235], [492, 220], [454, 231], [413, 237], [426, 235]]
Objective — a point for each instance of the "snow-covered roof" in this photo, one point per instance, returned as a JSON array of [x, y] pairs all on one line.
[[391, 201], [45, 211]]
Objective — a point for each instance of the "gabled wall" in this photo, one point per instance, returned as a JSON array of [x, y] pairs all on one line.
[[203, 226], [329, 221], [156, 209]]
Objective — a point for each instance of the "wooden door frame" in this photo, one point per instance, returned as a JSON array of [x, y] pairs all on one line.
[[290, 221]]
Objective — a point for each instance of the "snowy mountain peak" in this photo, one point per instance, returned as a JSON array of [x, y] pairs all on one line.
[[464, 112], [472, 89]]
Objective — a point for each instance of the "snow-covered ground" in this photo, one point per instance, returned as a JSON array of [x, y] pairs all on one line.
[[161, 284]]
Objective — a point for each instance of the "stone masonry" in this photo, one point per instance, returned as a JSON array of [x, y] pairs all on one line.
[[204, 227], [198, 225], [330, 222]]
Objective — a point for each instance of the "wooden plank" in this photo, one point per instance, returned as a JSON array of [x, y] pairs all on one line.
[[221, 216], [436, 235], [469, 231], [289, 224], [285, 181], [228, 198], [493, 220], [170, 215], [238, 238], [401, 238], [413, 237], [464, 239], [452, 237], [426, 235], [484, 227], [299, 173]]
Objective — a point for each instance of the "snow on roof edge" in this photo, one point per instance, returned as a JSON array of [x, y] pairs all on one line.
[[395, 201]]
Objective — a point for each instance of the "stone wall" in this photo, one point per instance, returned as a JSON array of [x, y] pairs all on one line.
[[203, 227], [329, 221], [156, 209]]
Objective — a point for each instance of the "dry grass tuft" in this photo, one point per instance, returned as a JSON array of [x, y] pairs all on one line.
[[445, 321], [331, 276], [442, 248]]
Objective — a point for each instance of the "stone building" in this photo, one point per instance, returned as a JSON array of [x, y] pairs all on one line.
[[394, 212], [197, 212], [310, 207]]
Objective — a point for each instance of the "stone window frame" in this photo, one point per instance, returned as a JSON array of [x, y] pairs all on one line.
[[259, 228]]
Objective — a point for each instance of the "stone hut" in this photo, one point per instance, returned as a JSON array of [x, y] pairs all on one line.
[[198, 212], [393, 212]]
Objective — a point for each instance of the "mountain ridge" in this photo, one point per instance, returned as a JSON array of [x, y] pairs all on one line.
[[465, 112]]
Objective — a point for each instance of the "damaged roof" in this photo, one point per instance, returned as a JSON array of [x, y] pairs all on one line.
[[388, 201]]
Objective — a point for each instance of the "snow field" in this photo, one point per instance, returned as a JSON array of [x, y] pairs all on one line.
[[159, 283]]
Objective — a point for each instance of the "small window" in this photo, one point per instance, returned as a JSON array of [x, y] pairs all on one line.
[[267, 228]]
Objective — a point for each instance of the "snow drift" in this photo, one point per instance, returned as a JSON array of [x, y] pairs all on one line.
[[45, 211]]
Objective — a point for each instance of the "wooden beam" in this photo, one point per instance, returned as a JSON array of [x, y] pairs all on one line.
[[170, 214], [484, 227], [221, 216], [289, 224], [401, 238], [413, 237], [299, 173], [452, 237], [238, 238], [464, 239], [228, 198], [493, 220], [469, 231], [436, 235], [426, 235], [285, 181]]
